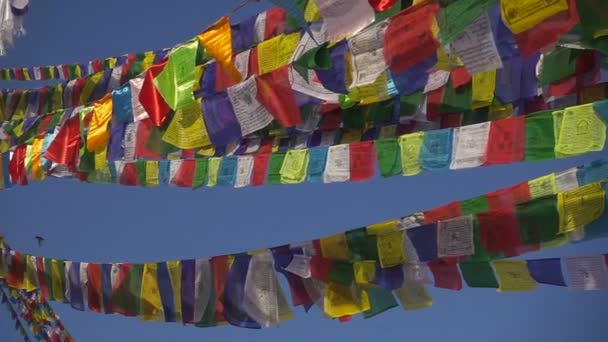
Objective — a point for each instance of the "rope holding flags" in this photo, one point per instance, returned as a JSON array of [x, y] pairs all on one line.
[[360, 271]]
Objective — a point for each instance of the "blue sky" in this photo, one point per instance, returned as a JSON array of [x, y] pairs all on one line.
[[107, 223]]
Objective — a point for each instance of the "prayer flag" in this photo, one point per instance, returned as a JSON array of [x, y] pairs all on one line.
[[513, 275], [446, 275], [94, 288], [580, 207], [586, 273], [98, 133], [538, 220], [217, 40], [478, 274], [151, 99], [150, 307], [547, 271], [276, 95], [361, 160], [175, 82], [411, 147]]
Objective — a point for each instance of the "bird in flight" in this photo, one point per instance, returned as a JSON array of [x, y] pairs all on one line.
[[40, 240]]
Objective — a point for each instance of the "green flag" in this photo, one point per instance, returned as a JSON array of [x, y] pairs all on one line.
[[389, 157], [362, 246], [457, 100], [474, 205], [274, 168], [538, 220], [558, 65], [540, 140], [479, 274], [200, 173], [176, 81], [380, 300]]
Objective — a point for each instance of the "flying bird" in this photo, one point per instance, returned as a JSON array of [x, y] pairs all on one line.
[[40, 240]]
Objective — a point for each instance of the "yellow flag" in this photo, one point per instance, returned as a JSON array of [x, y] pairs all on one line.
[[384, 227], [89, 87], [30, 279], [187, 129], [151, 307], [513, 275], [37, 171], [581, 131], [311, 12], [214, 168], [365, 272], [523, 15], [580, 207], [276, 52], [295, 166], [414, 296], [152, 173], [498, 112], [543, 186], [371, 93], [57, 280], [335, 247], [3, 263], [390, 249], [175, 274], [351, 136], [99, 135], [148, 60], [411, 144], [101, 160], [483, 89], [340, 301], [217, 40]]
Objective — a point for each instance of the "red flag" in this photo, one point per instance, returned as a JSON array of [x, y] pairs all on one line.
[[260, 166], [506, 198], [144, 129], [299, 295], [362, 160], [331, 120], [345, 319], [450, 120], [16, 166], [507, 141], [499, 232], [219, 267], [446, 275], [446, 212], [16, 271], [19, 74], [275, 22], [320, 268], [77, 90], [409, 39], [254, 67], [222, 79], [564, 87], [42, 98], [41, 274], [121, 293], [150, 98], [94, 293], [382, 5], [128, 176], [548, 31], [460, 77], [276, 95], [185, 174], [433, 103]]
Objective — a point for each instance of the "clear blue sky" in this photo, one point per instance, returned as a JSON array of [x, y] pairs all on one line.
[[106, 223]]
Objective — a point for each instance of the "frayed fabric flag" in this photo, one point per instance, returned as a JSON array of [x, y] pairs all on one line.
[[547, 271], [586, 273], [513, 275]]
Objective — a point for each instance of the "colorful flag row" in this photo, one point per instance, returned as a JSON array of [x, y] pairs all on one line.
[[212, 80], [245, 34], [539, 136], [34, 311], [355, 271]]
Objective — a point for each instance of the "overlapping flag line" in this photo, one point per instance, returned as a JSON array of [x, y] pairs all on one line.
[[265, 25], [11, 22], [540, 136], [34, 311], [357, 271], [284, 95]]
